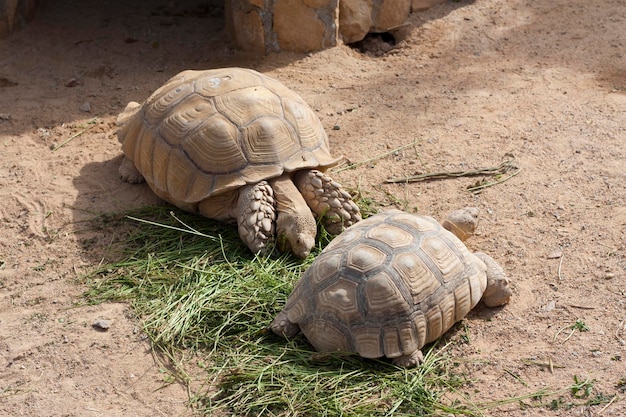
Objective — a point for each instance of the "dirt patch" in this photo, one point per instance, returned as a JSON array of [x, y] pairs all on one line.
[[544, 81]]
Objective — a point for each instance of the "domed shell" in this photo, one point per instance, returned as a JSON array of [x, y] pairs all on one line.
[[207, 132], [386, 286]]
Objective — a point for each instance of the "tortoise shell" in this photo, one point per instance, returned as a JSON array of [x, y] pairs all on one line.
[[386, 286], [204, 133]]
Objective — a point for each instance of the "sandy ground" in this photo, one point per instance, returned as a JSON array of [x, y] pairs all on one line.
[[542, 80]]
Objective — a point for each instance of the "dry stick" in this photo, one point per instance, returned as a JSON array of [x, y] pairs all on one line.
[[376, 158], [607, 406], [504, 167], [75, 135], [558, 271], [490, 184]]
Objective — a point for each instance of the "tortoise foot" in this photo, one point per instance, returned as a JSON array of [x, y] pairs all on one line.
[[327, 200], [129, 173], [256, 217], [283, 327], [409, 361]]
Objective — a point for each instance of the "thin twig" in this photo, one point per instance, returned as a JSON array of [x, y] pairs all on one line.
[[607, 406], [504, 167], [188, 229], [558, 271], [490, 184], [376, 158], [516, 376], [77, 134]]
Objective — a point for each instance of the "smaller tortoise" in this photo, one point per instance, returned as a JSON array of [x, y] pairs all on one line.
[[391, 284], [233, 144]]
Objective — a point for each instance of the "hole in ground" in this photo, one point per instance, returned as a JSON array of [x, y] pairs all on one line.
[[375, 44]]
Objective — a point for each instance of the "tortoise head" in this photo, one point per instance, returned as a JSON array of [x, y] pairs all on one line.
[[296, 233]]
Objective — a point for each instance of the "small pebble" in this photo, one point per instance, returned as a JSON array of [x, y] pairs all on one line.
[[101, 324], [86, 107]]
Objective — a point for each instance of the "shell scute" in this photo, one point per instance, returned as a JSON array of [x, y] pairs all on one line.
[[364, 257], [383, 299], [269, 141], [214, 83], [341, 300], [245, 105], [332, 336], [394, 236], [201, 147], [416, 275], [446, 259], [165, 102], [366, 340], [176, 126], [303, 119]]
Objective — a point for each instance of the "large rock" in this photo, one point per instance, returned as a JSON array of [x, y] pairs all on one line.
[[357, 18], [282, 25], [390, 14], [305, 25]]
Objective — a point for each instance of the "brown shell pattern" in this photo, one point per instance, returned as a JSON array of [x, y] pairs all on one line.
[[386, 286], [207, 132]]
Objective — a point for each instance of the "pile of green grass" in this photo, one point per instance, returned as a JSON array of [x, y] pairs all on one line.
[[201, 294]]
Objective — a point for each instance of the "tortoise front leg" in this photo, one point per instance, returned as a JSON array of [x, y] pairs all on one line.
[[256, 215], [327, 200]]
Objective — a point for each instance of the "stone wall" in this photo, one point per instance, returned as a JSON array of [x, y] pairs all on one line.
[[282, 25], [14, 14], [265, 26]]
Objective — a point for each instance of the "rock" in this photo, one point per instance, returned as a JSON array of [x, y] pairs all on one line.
[[101, 324], [302, 28], [282, 25], [86, 107], [390, 15], [245, 24], [355, 19]]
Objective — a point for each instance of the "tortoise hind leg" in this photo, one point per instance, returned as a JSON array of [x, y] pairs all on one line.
[[498, 291], [283, 327], [256, 215], [129, 173], [409, 361], [327, 200]]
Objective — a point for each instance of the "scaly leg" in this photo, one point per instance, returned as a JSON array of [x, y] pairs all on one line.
[[409, 361], [129, 173], [256, 216], [327, 200]]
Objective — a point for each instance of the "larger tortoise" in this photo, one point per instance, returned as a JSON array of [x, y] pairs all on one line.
[[391, 284], [234, 144]]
